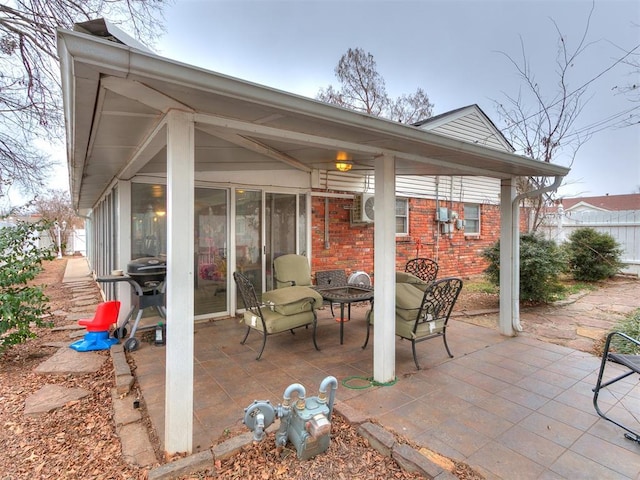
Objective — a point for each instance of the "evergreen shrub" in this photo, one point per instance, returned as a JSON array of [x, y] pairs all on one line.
[[541, 264], [22, 304], [592, 255]]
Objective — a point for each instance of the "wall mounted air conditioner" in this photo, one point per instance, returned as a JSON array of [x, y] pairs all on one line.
[[363, 208]]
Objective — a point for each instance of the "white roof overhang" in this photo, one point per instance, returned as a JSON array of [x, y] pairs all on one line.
[[116, 98]]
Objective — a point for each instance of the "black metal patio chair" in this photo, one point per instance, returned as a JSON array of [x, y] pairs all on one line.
[[632, 364], [422, 315], [331, 278], [282, 309], [424, 268]]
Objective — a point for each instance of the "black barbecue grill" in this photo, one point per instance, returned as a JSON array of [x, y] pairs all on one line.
[[147, 279], [148, 272]]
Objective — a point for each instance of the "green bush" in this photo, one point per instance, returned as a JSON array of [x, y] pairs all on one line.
[[541, 263], [630, 326], [592, 255], [21, 305]]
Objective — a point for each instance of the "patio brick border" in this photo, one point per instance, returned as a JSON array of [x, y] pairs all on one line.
[[380, 439]]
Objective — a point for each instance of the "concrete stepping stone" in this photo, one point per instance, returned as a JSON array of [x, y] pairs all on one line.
[[63, 328], [84, 310], [85, 302], [74, 317], [50, 398], [87, 296], [124, 411], [56, 344], [67, 361]]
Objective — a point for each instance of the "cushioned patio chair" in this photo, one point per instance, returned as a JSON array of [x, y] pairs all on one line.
[[291, 270], [631, 364], [423, 315], [423, 268], [281, 310]]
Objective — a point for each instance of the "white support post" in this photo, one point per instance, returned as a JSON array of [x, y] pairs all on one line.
[[509, 258], [123, 217], [178, 428], [384, 341]]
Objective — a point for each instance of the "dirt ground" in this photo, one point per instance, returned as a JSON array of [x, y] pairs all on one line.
[[76, 441], [79, 440]]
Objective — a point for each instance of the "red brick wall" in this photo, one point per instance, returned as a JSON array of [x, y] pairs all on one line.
[[350, 246]]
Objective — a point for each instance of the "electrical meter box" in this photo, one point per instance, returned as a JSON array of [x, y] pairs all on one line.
[[442, 214]]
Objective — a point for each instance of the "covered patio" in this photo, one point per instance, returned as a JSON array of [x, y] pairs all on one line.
[[131, 114], [502, 404]]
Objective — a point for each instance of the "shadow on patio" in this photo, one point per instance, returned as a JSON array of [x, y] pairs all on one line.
[[509, 407]]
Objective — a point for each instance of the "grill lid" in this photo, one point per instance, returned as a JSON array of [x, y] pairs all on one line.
[[147, 266]]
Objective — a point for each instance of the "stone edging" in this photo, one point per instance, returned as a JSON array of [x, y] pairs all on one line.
[[380, 439]]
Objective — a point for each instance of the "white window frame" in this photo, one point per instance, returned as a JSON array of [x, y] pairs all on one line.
[[467, 233], [405, 216]]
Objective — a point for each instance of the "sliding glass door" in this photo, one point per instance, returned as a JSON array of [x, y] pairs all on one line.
[[211, 238], [265, 225]]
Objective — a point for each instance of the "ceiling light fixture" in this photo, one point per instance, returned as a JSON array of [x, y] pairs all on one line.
[[344, 165], [343, 162]]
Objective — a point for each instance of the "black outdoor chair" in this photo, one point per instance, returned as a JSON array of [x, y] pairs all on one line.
[[422, 315], [282, 309], [423, 268], [632, 364], [331, 278]]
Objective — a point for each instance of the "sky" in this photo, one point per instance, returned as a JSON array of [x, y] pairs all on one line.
[[454, 50]]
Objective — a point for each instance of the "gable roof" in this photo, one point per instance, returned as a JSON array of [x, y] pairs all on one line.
[[604, 202], [470, 124]]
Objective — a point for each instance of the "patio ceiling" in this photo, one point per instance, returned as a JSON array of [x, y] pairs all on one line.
[[116, 98]]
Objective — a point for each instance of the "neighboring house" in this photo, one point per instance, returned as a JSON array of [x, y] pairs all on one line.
[[213, 171], [617, 215], [603, 203]]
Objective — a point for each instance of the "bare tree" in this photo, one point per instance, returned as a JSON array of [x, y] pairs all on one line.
[[363, 89], [30, 100], [55, 207], [631, 89], [541, 125]]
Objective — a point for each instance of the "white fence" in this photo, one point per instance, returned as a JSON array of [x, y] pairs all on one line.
[[624, 226], [75, 241]]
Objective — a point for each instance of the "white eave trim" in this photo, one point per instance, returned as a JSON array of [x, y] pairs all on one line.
[[126, 60]]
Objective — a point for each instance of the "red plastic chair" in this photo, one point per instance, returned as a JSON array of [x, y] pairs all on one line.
[[105, 316]]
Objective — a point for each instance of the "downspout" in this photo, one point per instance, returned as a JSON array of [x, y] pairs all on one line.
[[515, 235], [437, 217], [326, 223]]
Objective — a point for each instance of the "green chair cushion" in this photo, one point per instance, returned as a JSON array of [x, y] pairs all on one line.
[[292, 268], [291, 300], [277, 322], [408, 300], [404, 328], [411, 279]]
